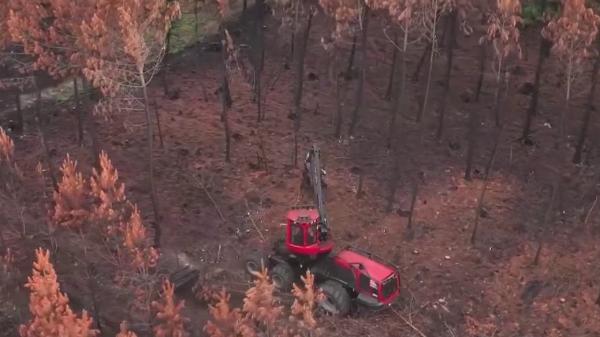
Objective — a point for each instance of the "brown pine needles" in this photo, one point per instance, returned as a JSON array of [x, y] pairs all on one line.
[[171, 322], [306, 300], [49, 307], [7, 147], [70, 209]]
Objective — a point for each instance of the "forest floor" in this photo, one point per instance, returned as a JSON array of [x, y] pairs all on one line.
[[450, 286]]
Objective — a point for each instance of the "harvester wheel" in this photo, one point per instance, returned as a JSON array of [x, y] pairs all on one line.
[[337, 300], [282, 276]]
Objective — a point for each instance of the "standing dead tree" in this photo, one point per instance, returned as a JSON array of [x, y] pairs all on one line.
[[572, 35], [503, 34], [589, 108], [123, 56]]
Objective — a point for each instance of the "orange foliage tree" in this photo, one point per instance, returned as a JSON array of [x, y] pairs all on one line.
[[503, 33], [572, 34], [49, 307], [171, 322], [70, 199], [262, 315]]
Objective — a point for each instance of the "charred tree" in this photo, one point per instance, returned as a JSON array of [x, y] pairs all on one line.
[[390, 86], [298, 90], [20, 125], [165, 60], [543, 53], [225, 96], [42, 135], [451, 29], [486, 179], [80, 114], [259, 56], [482, 57], [417, 72], [588, 111], [351, 57], [363, 70], [150, 135], [399, 91], [472, 138], [340, 92], [413, 203], [547, 217]]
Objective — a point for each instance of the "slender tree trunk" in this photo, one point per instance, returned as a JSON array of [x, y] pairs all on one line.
[[391, 80], [566, 111], [486, 180], [93, 289], [547, 218], [482, 57], [351, 57], [244, 6], [150, 136], [413, 203], [294, 26], [451, 29], [588, 112], [259, 56], [226, 101], [91, 124], [298, 90], [42, 135], [363, 71], [158, 125], [417, 72], [543, 53], [20, 119], [165, 62], [498, 90], [424, 106], [394, 183], [399, 93], [80, 113], [473, 123], [339, 112], [359, 190], [196, 26]]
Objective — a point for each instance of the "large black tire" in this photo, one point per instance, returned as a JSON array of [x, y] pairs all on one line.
[[282, 276], [337, 301]]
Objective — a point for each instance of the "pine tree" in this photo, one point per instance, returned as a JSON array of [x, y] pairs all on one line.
[[49, 307]]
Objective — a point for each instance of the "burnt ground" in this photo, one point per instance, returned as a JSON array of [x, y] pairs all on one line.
[[450, 287]]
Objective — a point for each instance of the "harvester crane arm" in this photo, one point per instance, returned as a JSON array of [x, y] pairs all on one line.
[[315, 173]]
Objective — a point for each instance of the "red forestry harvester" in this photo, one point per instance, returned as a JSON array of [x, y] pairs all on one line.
[[350, 276]]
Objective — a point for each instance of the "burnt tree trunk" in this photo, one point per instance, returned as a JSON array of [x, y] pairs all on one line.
[[165, 62], [80, 114], [547, 218], [351, 57], [395, 176], [339, 112], [20, 120], [486, 179], [91, 124], [417, 72], [399, 93], [390, 86], [482, 57], [413, 203], [42, 135], [259, 54], [543, 53], [298, 90], [472, 137], [158, 125], [588, 112], [451, 29], [363, 71], [150, 135], [225, 96]]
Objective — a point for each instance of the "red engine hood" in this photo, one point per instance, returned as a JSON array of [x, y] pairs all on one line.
[[376, 270]]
